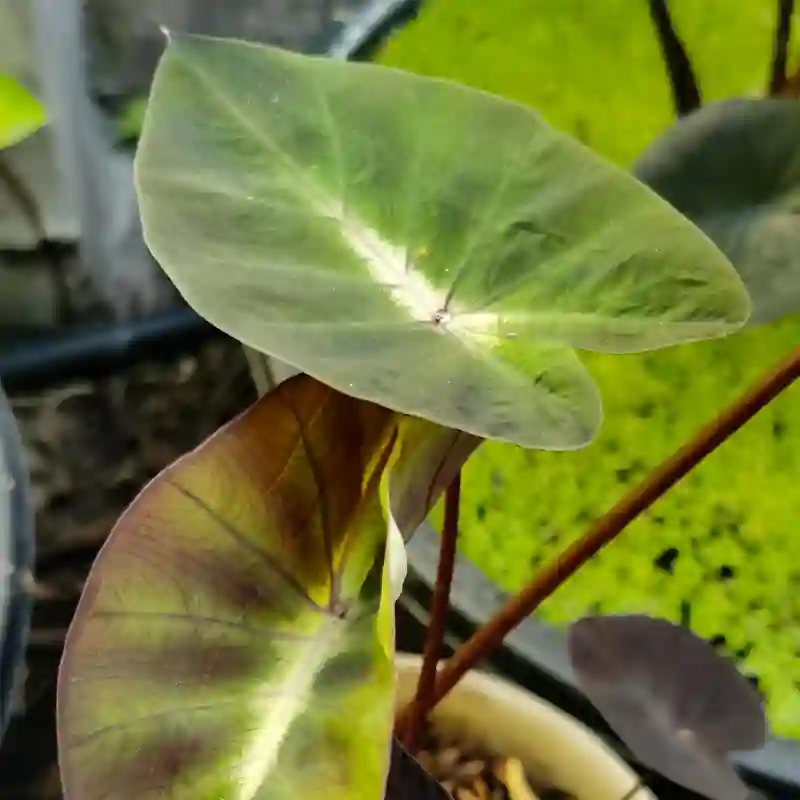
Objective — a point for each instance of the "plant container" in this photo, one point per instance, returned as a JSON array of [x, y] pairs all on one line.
[[534, 656], [503, 719]]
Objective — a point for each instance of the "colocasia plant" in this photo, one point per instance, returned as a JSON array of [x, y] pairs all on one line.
[[430, 258]]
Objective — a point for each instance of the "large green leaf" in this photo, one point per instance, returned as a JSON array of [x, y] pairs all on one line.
[[20, 113], [228, 643], [411, 241], [733, 168]]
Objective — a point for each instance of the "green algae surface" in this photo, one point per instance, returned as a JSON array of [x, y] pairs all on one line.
[[722, 549]]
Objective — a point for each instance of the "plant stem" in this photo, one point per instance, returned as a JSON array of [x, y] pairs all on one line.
[[415, 714], [791, 89], [780, 54], [685, 93], [518, 608], [260, 371]]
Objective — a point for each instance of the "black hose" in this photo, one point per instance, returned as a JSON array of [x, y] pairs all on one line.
[[100, 349]]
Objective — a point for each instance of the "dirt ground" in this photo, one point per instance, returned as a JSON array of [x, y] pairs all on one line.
[[91, 446]]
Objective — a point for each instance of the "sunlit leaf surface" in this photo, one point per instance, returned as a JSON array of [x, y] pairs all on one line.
[[227, 646], [411, 241], [678, 705], [734, 169], [20, 113]]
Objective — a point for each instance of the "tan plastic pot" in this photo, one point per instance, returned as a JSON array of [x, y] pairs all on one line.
[[504, 719]]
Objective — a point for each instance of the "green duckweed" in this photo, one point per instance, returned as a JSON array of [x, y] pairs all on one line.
[[721, 550], [590, 68]]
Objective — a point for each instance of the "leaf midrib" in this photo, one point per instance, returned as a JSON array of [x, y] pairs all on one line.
[[420, 299], [283, 701]]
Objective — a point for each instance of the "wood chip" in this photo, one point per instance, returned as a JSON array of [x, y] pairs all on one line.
[[511, 774], [469, 774]]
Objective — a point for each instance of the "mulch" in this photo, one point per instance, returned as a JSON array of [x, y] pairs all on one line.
[[469, 773]]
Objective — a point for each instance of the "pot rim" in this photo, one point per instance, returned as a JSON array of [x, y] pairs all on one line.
[[540, 651], [528, 721]]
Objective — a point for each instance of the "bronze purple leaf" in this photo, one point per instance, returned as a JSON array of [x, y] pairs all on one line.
[[676, 703]]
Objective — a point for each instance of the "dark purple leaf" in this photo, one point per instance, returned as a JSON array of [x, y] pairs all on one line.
[[409, 781], [429, 458], [677, 704], [733, 169]]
